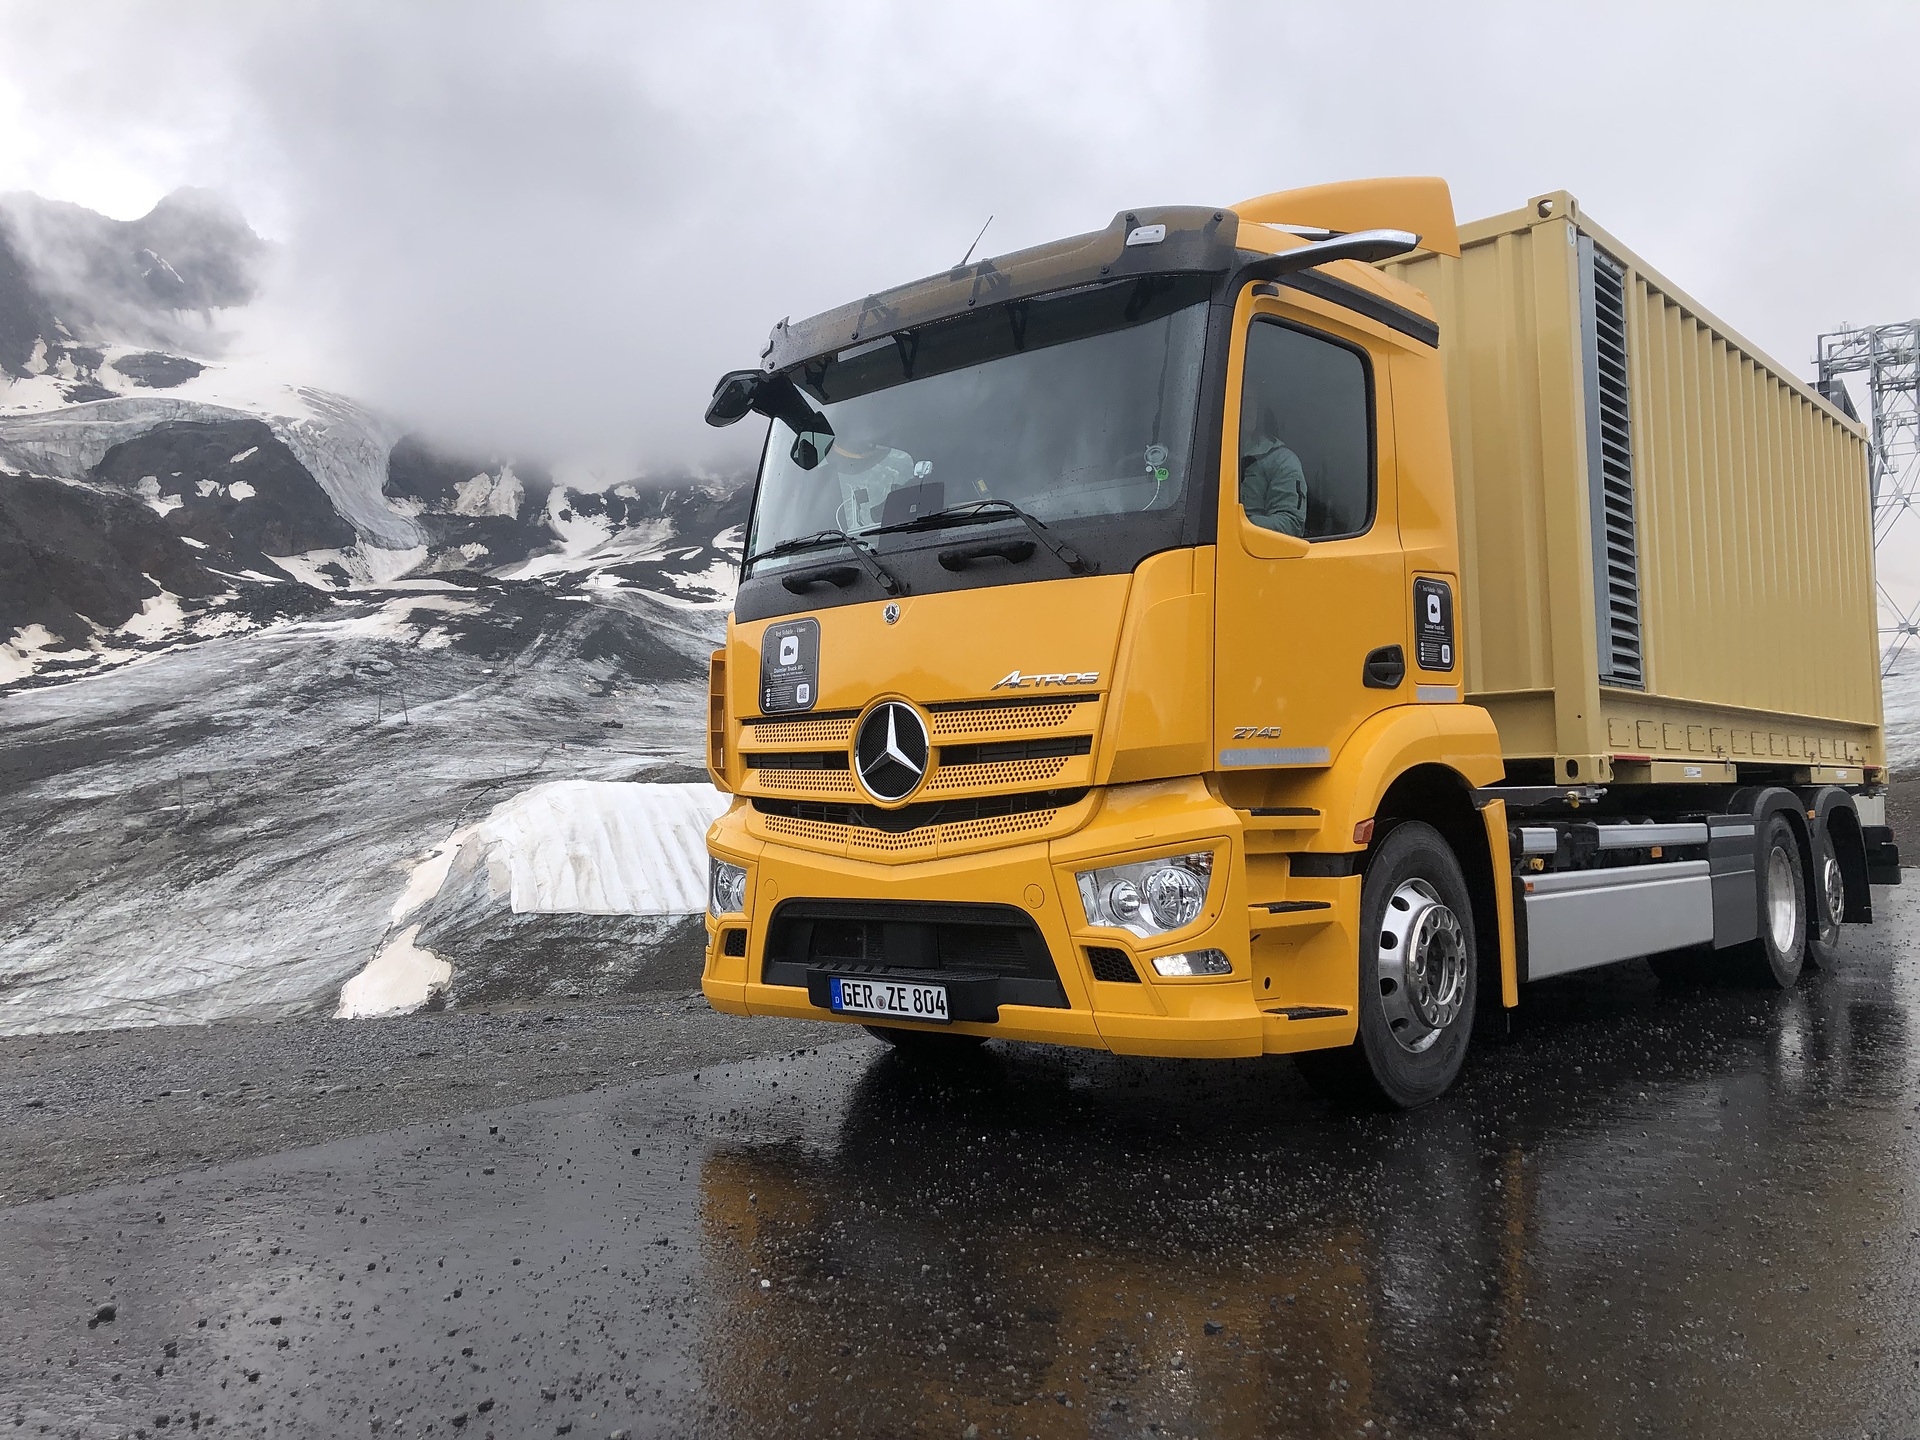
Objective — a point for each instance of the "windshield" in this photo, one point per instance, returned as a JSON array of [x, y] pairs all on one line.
[[1077, 408]]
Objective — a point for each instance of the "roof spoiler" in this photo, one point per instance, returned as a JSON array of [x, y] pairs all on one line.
[[1421, 204]]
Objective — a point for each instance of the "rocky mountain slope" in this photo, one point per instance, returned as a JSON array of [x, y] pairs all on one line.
[[155, 491], [315, 647]]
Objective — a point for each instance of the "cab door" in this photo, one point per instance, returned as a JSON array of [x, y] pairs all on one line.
[[1311, 626]]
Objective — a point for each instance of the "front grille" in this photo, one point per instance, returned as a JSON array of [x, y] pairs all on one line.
[[987, 955], [924, 816], [1111, 965], [1011, 750], [798, 760], [835, 729], [985, 718], [996, 776]]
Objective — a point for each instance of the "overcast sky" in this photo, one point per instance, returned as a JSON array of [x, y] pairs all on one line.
[[550, 227]]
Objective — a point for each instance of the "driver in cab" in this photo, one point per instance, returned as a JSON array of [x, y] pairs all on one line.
[[1273, 484]]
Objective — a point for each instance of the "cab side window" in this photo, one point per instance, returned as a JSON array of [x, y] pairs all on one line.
[[1306, 451]]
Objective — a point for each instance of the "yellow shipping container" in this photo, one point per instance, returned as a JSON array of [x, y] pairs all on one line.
[[1666, 538]]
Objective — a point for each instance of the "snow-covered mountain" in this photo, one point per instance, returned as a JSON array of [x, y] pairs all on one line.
[[318, 652], [156, 489]]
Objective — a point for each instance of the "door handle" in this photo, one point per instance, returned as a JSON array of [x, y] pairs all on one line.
[[1385, 668]]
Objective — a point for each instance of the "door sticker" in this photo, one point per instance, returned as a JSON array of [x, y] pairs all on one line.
[[1433, 624], [789, 666]]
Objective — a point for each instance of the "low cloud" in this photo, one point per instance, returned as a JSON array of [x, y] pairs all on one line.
[[549, 228]]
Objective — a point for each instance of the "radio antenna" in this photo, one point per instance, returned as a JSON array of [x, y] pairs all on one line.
[[976, 245]]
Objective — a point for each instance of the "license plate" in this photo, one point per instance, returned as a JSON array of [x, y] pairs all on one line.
[[891, 998]]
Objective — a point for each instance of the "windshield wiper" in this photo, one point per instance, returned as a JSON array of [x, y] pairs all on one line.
[[981, 512], [820, 540]]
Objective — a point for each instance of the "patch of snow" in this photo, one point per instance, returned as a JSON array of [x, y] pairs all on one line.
[[241, 490], [207, 487], [590, 541], [594, 847], [390, 620], [386, 565], [150, 492], [20, 655], [426, 877], [236, 459], [160, 617], [196, 544], [400, 978], [604, 847]]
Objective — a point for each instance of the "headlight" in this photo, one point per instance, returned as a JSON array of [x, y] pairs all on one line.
[[726, 888], [1151, 898]]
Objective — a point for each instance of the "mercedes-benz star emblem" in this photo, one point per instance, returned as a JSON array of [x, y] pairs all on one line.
[[891, 613], [890, 751]]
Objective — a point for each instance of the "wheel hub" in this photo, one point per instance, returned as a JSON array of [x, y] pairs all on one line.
[[1422, 965], [1833, 887]]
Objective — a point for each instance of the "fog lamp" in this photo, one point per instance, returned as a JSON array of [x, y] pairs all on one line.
[[726, 887], [1193, 962]]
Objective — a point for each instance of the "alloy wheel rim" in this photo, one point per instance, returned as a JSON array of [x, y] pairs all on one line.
[[1422, 966], [1783, 907]]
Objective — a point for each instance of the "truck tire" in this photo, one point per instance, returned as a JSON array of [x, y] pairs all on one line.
[[1417, 978], [926, 1044], [1775, 959], [1828, 905]]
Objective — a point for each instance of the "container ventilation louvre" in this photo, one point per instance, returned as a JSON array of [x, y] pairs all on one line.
[[1616, 560]]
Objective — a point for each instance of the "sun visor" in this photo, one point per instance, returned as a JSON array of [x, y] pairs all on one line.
[[1154, 241]]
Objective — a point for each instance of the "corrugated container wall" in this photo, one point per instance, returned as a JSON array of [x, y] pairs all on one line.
[[1667, 539]]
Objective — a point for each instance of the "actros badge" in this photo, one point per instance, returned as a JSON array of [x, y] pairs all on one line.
[[789, 667], [1014, 680]]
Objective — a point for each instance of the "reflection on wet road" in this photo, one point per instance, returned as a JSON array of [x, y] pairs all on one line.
[[1688, 1213]]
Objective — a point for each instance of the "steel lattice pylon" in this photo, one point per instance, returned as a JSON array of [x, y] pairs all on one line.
[[1889, 356]]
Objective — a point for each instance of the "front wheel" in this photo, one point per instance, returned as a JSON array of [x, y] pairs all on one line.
[[1417, 978]]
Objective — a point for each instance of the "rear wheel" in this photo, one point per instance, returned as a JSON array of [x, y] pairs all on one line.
[[926, 1044], [1827, 906], [1417, 978], [1775, 959]]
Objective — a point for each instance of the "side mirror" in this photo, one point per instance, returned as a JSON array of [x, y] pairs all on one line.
[[733, 397]]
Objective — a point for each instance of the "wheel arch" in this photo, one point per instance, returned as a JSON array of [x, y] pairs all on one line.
[[1763, 802], [1441, 796], [1836, 817]]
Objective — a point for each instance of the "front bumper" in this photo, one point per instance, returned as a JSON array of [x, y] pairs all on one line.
[[1281, 965]]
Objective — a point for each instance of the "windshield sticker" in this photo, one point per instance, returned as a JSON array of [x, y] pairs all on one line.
[[789, 667]]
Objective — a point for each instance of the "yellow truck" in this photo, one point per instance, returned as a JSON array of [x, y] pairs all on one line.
[[1287, 628]]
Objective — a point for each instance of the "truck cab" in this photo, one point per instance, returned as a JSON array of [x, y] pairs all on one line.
[[1096, 673]]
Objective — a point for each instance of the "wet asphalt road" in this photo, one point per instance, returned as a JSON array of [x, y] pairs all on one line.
[[1642, 1213]]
